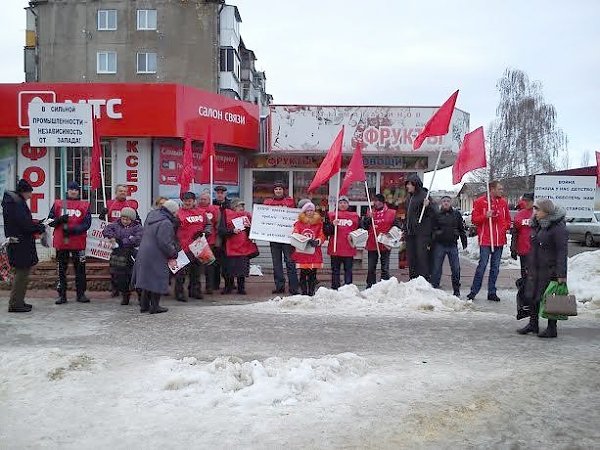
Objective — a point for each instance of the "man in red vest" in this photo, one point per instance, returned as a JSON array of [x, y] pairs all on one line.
[[282, 252], [212, 214], [72, 219], [192, 224], [112, 212], [520, 244]]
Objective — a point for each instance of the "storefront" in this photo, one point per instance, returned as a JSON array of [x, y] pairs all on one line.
[[300, 136], [141, 128]]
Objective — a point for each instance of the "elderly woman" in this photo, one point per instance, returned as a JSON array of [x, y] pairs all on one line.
[[158, 246], [547, 259]]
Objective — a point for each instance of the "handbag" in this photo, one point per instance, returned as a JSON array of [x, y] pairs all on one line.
[[565, 305]]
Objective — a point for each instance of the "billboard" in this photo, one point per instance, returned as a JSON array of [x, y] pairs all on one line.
[[574, 193], [312, 129]]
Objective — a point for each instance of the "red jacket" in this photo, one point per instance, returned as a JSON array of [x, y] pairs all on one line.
[[115, 206], [77, 210], [288, 202], [348, 222], [191, 222], [384, 220], [500, 221], [212, 213], [313, 229], [523, 231], [238, 244]]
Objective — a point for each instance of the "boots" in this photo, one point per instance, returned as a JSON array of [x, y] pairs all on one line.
[[155, 308], [179, 295], [62, 298], [532, 326], [228, 289], [551, 331], [126, 296], [312, 282], [241, 285], [303, 282], [195, 291], [145, 302]]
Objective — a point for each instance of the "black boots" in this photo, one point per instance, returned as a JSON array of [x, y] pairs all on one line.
[[241, 285], [531, 327], [155, 308], [228, 289], [83, 299], [493, 298], [126, 296], [551, 331], [179, 295], [61, 299], [145, 301], [20, 309], [308, 281]]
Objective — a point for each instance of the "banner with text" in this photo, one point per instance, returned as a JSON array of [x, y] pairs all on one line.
[[575, 194], [97, 245], [273, 223]]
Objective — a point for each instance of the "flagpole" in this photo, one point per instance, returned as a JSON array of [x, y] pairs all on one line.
[[372, 218], [489, 201], [337, 202], [102, 177], [437, 162], [211, 177]]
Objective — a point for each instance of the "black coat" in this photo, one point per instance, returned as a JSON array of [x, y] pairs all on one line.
[[18, 223], [448, 226], [414, 205], [548, 256]]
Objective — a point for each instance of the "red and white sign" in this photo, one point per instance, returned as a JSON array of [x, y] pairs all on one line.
[[34, 166], [133, 167], [312, 129], [140, 110]]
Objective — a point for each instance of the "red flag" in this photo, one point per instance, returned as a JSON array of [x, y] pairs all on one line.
[[471, 155], [598, 168], [439, 123], [95, 173], [208, 150], [331, 165], [187, 172], [355, 171]]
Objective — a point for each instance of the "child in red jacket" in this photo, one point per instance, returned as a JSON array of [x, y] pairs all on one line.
[[309, 224]]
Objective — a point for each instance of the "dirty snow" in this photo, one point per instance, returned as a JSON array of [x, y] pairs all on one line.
[[583, 278], [472, 253]]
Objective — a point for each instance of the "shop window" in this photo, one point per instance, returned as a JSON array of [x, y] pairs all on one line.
[[106, 62], [146, 62], [262, 184], [302, 180], [146, 19], [78, 169], [107, 19]]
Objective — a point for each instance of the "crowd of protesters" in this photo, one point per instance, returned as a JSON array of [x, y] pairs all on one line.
[[141, 252]]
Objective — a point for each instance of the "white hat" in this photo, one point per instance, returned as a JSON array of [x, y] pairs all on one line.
[[172, 206]]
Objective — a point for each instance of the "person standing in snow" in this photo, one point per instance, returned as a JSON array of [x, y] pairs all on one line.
[[309, 224], [520, 244], [418, 234], [547, 260]]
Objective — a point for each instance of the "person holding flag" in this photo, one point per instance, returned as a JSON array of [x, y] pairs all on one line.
[[340, 249]]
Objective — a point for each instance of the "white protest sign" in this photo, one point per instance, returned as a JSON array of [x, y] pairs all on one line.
[[575, 194], [60, 124], [273, 223], [97, 245]]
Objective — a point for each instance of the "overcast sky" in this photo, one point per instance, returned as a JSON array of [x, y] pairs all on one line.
[[411, 52]]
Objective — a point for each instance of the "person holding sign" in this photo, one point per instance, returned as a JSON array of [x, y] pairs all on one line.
[[71, 220], [238, 246], [310, 225], [282, 252], [493, 222], [159, 245], [342, 252], [418, 226]]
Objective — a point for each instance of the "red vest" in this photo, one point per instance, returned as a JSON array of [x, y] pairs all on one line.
[[115, 206], [384, 220], [76, 210], [288, 202], [313, 231], [211, 213], [523, 231], [238, 244], [191, 221], [348, 223]]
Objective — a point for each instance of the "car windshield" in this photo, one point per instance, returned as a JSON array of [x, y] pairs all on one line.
[[597, 216]]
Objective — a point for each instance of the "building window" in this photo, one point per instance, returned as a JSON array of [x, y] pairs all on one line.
[[230, 62], [107, 19], [106, 62], [262, 183], [146, 63], [146, 19]]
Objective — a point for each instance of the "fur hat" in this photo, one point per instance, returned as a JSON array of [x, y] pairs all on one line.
[[129, 213], [172, 206], [546, 205]]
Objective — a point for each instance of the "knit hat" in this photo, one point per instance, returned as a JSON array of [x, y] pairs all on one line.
[[24, 186], [343, 198], [129, 213], [237, 202], [380, 197], [73, 186], [308, 205], [528, 196], [546, 205], [279, 184], [303, 202], [188, 196], [172, 206]]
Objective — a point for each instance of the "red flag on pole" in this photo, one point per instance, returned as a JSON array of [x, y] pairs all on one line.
[[355, 171], [598, 168], [95, 171], [439, 123], [208, 150], [331, 165], [187, 172], [471, 155]]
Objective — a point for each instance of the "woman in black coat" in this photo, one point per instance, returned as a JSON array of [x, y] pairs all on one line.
[[549, 239]]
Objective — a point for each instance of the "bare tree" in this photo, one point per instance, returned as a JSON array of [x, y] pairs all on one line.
[[524, 138], [585, 158]]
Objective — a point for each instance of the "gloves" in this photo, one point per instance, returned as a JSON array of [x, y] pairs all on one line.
[[40, 228], [103, 213], [59, 221], [513, 254], [314, 242]]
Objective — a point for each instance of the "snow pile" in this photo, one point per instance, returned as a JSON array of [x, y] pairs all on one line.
[[384, 297], [472, 252], [583, 278], [274, 381]]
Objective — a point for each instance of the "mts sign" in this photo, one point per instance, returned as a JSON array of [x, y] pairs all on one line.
[[110, 107]]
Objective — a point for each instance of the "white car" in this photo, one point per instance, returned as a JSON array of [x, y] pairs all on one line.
[[585, 230]]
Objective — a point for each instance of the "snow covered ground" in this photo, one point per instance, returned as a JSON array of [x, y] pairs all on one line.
[[472, 253], [584, 279], [398, 366]]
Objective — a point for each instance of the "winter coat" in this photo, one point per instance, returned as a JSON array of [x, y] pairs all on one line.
[[448, 226], [212, 214], [348, 222], [115, 206], [237, 244], [311, 227], [521, 235], [18, 223], [548, 255], [129, 237], [500, 221], [80, 221], [288, 202], [157, 247], [225, 204], [384, 219], [414, 205], [192, 223]]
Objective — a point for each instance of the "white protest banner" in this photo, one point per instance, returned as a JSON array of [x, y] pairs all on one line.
[[97, 245], [60, 124], [574, 193], [273, 223]]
